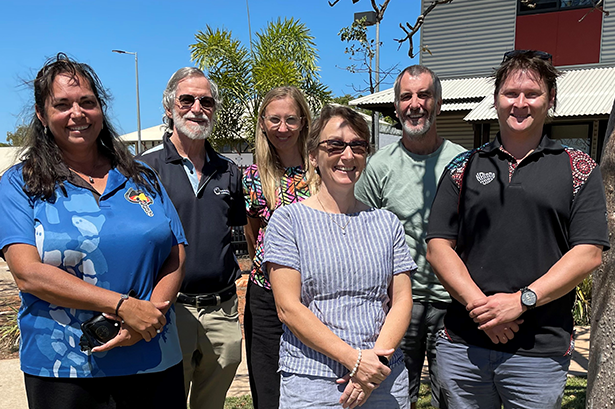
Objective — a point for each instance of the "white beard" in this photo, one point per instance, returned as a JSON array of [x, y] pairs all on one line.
[[193, 130]]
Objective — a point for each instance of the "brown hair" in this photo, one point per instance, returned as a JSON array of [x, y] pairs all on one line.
[[353, 118], [44, 169], [531, 61]]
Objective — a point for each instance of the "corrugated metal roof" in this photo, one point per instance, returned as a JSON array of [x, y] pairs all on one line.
[[452, 89], [383, 97], [579, 93], [459, 106]]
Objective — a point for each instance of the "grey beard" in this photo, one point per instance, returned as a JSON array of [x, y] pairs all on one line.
[[203, 132]]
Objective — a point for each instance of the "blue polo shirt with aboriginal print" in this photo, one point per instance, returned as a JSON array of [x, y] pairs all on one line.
[[118, 241]]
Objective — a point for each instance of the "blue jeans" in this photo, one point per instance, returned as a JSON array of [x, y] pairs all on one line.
[[420, 339], [474, 377], [314, 392]]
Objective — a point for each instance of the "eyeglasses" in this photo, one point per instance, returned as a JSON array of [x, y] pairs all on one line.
[[292, 122], [186, 101], [337, 147], [529, 53]]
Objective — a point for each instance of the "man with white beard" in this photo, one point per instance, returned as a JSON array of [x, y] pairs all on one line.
[[205, 188], [403, 178]]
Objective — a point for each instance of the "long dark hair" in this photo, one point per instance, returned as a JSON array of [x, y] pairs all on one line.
[[44, 169]]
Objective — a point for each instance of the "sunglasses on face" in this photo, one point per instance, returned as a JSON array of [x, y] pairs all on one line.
[[292, 122], [337, 147], [529, 53], [186, 101]]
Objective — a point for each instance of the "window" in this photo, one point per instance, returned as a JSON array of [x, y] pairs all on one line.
[[542, 6]]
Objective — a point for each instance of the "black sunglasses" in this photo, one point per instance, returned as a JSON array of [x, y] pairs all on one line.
[[337, 147], [529, 53], [186, 101]]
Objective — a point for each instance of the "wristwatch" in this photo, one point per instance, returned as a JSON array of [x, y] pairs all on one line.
[[528, 298]]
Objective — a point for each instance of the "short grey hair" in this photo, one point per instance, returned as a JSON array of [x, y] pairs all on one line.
[[168, 96], [415, 71]]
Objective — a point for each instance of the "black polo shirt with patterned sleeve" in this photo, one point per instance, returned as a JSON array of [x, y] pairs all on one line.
[[207, 214], [512, 222]]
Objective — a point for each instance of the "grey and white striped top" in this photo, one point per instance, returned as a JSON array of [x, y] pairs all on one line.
[[344, 276]]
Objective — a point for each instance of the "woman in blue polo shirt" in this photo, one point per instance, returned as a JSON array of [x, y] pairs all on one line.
[[86, 227]]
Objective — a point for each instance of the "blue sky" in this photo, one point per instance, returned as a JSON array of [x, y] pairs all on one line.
[[161, 32]]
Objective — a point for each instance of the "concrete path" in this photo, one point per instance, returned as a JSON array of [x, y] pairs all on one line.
[[14, 395]]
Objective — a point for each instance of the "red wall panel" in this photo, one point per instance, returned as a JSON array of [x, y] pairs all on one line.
[[561, 34]]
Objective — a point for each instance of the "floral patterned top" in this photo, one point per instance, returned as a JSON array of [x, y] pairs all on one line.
[[293, 188]]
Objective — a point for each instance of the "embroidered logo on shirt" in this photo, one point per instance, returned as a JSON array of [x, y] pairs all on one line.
[[140, 198], [485, 178], [219, 191]]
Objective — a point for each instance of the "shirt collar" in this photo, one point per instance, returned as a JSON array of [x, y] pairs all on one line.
[[172, 155], [546, 144]]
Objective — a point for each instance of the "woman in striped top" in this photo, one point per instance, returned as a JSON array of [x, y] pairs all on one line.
[[340, 274], [277, 179]]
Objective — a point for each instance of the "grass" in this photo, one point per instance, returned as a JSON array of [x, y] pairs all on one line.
[[9, 331], [574, 397]]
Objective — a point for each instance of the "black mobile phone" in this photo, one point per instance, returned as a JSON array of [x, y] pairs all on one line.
[[383, 360], [98, 330]]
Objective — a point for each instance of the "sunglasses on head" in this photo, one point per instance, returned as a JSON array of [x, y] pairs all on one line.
[[186, 101], [528, 53], [337, 147]]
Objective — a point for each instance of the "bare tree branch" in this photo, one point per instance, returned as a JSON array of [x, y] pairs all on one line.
[[380, 10], [597, 6], [413, 29], [334, 3]]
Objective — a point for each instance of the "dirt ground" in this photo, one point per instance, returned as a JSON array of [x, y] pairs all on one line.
[[9, 300]]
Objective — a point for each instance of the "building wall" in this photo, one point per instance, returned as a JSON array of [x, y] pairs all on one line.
[[467, 37], [607, 52], [451, 126]]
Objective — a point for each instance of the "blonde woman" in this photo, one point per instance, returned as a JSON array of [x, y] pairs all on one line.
[[277, 179]]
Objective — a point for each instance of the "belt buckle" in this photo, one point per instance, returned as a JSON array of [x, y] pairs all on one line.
[[207, 297]]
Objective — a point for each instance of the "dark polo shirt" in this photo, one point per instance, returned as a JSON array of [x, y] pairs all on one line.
[[512, 223], [207, 216]]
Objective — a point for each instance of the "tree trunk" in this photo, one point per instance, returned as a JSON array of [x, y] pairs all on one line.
[[600, 378]]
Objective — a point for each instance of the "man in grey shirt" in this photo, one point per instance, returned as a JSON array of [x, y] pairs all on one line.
[[402, 178]]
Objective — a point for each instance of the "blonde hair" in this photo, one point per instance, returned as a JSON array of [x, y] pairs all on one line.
[[270, 166]]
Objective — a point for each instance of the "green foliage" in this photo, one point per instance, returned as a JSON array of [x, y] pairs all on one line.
[[283, 53], [18, 137], [581, 311]]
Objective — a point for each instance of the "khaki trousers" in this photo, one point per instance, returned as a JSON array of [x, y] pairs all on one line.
[[210, 340]]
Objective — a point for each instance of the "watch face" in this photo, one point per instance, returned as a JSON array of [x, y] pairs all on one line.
[[528, 298]]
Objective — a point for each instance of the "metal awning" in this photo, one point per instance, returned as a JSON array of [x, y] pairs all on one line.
[[581, 92]]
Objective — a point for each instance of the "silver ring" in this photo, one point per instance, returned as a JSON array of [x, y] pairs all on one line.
[[158, 331]]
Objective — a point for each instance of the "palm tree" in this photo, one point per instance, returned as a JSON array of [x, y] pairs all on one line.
[[283, 53]]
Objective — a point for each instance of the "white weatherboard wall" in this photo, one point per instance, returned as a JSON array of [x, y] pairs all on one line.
[[467, 37]]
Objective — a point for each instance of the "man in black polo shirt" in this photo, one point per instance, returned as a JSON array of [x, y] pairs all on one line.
[[515, 225], [205, 188]]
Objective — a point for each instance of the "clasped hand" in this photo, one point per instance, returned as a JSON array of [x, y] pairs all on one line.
[[141, 319], [370, 374], [497, 315]]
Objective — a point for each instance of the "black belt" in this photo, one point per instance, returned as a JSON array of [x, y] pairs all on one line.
[[206, 300]]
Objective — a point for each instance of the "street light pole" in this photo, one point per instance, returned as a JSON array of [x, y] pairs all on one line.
[[138, 150], [376, 118], [371, 18]]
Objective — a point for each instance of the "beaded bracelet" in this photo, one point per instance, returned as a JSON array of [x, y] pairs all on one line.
[[356, 365], [119, 304]]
